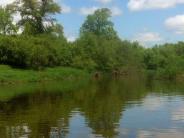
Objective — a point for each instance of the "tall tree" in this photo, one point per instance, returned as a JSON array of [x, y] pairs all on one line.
[[36, 13], [6, 21], [99, 24], [56, 29]]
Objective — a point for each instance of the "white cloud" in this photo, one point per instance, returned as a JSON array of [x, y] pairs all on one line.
[[176, 24], [104, 1], [86, 10], [66, 8], [116, 11], [146, 38], [71, 38], [137, 5], [5, 2]]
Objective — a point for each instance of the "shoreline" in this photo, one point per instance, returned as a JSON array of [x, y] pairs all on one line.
[[9, 75]]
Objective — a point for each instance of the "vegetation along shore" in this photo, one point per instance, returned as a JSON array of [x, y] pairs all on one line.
[[35, 48]]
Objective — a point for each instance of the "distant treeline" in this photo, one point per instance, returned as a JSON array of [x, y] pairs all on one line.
[[36, 41]]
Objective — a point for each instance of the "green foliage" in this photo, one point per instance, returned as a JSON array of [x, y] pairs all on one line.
[[13, 75], [99, 53], [6, 22], [166, 61], [12, 51], [34, 52], [35, 13], [42, 44], [99, 24]]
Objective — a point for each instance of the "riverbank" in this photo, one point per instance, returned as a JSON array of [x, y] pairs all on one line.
[[10, 75]]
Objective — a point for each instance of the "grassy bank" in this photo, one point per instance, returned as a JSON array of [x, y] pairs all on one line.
[[11, 75], [8, 92]]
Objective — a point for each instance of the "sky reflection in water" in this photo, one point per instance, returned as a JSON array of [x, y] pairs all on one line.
[[127, 108]]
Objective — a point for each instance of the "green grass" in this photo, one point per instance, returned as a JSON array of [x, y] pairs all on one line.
[[31, 81], [11, 75], [7, 92]]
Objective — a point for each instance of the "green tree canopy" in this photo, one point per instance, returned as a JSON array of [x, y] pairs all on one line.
[[36, 13], [99, 24], [6, 22]]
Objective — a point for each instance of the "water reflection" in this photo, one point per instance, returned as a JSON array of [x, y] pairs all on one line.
[[173, 133], [22, 131], [104, 108]]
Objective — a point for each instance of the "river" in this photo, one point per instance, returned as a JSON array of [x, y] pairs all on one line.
[[107, 108]]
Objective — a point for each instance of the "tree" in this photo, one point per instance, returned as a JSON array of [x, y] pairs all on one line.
[[56, 29], [99, 24], [36, 13], [6, 22]]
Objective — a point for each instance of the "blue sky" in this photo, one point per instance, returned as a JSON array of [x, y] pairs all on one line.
[[147, 21]]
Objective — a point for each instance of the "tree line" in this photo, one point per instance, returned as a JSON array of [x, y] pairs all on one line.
[[37, 41]]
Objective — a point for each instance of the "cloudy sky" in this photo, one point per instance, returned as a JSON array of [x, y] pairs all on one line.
[[147, 21]]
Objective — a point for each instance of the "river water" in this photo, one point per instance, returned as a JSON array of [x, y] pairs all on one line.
[[109, 108]]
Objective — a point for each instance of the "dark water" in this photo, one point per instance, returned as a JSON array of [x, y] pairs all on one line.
[[129, 108]]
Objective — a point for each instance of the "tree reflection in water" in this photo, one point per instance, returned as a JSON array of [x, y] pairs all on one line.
[[48, 113]]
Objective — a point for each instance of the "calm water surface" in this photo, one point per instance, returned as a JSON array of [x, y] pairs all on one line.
[[128, 108]]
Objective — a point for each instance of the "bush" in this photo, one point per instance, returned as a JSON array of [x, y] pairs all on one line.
[[34, 52], [13, 51]]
